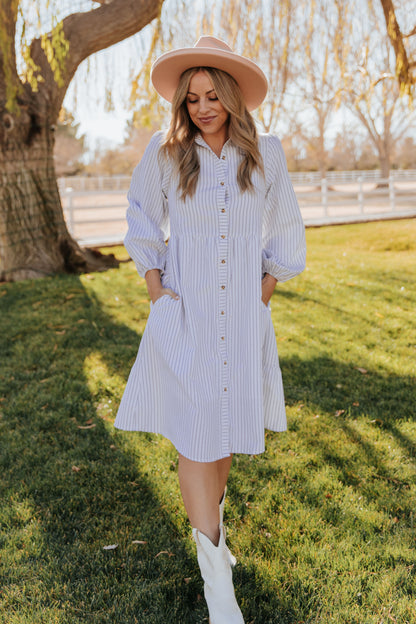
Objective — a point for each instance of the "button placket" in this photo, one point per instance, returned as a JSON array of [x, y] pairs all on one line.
[[222, 267]]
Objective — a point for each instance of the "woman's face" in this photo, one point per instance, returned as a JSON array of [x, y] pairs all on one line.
[[205, 109]]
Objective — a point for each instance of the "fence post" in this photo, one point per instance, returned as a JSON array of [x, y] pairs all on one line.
[[324, 195], [361, 194], [392, 195]]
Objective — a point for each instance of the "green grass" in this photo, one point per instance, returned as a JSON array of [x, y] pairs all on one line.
[[323, 523]]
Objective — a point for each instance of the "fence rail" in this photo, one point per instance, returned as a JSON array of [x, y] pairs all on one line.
[[122, 182], [95, 207]]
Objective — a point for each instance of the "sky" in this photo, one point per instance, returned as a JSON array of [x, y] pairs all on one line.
[[86, 97], [102, 128]]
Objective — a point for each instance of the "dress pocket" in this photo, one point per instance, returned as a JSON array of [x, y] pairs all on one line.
[[152, 305]]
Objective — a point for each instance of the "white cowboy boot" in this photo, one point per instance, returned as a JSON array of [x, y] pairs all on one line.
[[215, 569], [231, 557]]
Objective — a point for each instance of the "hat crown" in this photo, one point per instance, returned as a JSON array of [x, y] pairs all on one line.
[[212, 42], [209, 51]]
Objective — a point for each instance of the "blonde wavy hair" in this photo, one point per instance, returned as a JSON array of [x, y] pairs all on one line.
[[179, 142]]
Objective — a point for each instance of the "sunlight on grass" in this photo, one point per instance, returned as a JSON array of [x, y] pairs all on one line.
[[322, 523], [101, 381]]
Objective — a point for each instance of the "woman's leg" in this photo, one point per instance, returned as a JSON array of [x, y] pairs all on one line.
[[202, 485]]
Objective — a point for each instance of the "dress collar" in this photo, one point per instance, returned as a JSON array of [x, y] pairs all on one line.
[[200, 141]]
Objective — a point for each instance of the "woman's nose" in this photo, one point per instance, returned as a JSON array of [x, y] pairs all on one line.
[[203, 105]]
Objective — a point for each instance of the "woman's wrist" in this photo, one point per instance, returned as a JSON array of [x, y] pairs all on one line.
[[269, 279], [154, 284]]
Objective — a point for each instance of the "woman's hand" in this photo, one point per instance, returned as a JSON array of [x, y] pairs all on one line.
[[268, 284], [155, 288], [163, 291]]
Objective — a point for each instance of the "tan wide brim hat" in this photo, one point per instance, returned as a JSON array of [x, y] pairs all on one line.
[[209, 52]]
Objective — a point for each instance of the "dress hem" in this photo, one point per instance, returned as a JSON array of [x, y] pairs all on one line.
[[232, 451]]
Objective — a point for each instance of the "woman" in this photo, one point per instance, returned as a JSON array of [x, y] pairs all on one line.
[[207, 374]]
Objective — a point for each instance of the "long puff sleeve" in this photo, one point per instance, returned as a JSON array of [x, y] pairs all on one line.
[[147, 214], [284, 247]]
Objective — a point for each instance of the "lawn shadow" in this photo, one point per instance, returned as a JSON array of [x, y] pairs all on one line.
[[353, 406], [70, 486], [365, 410]]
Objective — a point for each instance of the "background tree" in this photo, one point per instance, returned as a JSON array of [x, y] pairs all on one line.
[[69, 147], [320, 70], [34, 240], [405, 154], [122, 160], [372, 94], [346, 149]]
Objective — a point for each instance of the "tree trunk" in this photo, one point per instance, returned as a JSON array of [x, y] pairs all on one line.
[[385, 165], [34, 239]]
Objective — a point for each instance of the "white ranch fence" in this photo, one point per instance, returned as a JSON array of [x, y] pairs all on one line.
[[95, 208]]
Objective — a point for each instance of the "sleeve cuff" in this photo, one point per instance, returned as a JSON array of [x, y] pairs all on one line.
[[280, 272]]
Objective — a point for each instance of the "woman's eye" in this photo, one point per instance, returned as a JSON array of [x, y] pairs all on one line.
[[192, 101], [213, 99]]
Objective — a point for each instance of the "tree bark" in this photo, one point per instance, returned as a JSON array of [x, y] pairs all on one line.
[[404, 68], [34, 239], [385, 166]]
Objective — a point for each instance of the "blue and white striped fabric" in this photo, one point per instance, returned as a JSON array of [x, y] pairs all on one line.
[[207, 374]]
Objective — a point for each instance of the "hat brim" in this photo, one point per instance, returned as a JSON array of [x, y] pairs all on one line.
[[168, 68]]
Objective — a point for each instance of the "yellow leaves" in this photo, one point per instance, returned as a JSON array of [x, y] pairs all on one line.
[[56, 48], [108, 101], [361, 370], [32, 73]]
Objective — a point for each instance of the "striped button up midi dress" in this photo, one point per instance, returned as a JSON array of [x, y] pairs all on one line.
[[207, 373]]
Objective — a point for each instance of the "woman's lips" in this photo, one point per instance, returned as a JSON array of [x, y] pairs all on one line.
[[205, 120]]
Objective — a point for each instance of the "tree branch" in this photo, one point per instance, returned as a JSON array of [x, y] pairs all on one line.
[[411, 34], [88, 33], [395, 35]]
